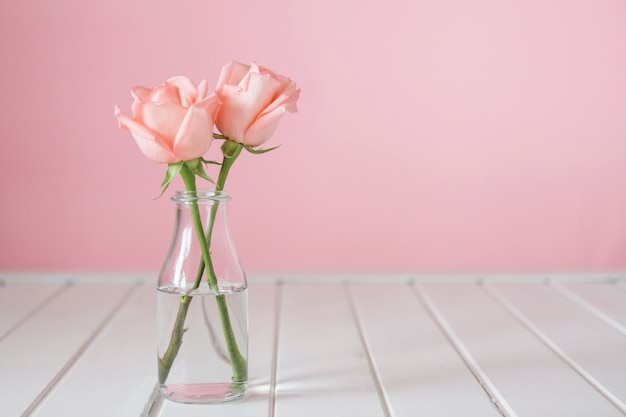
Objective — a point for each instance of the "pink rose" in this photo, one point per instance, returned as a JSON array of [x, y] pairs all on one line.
[[253, 101], [173, 121]]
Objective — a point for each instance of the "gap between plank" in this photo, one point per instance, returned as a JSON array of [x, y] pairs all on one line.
[[277, 320], [70, 363], [382, 395], [154, 404], [36, 309], [576, 299], [496, 399], [500, 299]]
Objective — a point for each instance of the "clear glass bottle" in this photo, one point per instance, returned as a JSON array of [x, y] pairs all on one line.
[[202, 306]]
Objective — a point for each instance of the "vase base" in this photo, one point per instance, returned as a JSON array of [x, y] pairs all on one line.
[[203, 393]]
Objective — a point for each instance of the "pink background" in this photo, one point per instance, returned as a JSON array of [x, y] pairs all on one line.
[[432, 135]]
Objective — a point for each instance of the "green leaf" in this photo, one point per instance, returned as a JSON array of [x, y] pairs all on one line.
[[172, 171], [258, 151]]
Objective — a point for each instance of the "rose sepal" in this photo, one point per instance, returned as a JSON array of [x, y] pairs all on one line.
[[230, 148], [255, 151], [197, 168], [172, 171], [194, 165]]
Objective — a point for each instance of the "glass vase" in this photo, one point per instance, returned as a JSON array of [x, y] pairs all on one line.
[[202, 305]]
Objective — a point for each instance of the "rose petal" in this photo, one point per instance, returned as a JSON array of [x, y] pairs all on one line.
[[140, 93], [241, 108], [186, 88], [280, 78], [203, 89], [232, 73], [164, 118], [229, 121], [264, 127], [150, 144], [152, 150], [288, 98], [166, 93], [196, 131]]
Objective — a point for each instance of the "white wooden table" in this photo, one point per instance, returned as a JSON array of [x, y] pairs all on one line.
[[83, 345]]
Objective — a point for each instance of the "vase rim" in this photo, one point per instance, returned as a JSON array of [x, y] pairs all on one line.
[[184, 196]]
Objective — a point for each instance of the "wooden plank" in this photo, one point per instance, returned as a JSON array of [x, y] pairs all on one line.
[[116, 374], [323, 369], [437, 277], [591, 348], [606, 301], [262, 320], [38, 353], [419, 369], [75, 277], [527, 378], [20, 301]]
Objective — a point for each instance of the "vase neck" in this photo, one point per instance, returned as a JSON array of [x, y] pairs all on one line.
[[201, 196]]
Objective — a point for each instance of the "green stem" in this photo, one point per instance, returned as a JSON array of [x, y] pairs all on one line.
[[230, 156], [238, 362], [176, 339], [231, 151]]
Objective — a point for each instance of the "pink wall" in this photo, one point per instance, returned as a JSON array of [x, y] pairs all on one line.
[[432, 135]]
